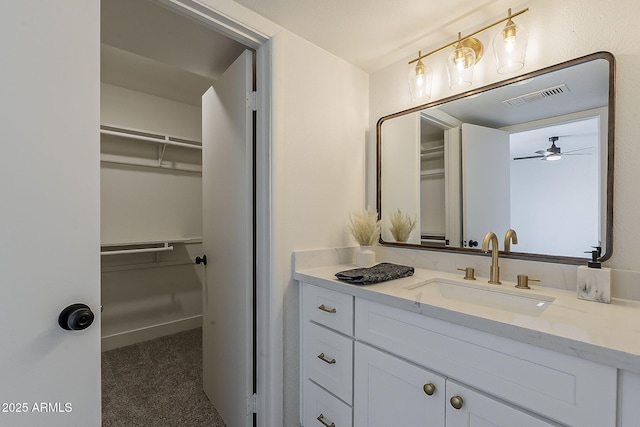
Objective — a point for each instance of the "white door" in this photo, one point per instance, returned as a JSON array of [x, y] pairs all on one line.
[[401, 172], [469, 408], [392, 392], [227, 186], [486, 191], [49, 211]]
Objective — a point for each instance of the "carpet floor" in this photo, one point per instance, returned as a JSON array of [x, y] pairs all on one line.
[[157, 383]]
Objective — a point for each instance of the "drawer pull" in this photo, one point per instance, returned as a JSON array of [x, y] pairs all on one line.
[[429, 389], [321, 419], [330, 362], [456, 402], [323, 308]]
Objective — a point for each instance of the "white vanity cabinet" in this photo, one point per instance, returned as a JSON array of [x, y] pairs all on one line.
[[514, 377], [390, 391], [409, 369]]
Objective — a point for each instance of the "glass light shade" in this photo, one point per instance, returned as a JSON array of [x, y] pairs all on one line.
[[553, 157], [460, 65], [510, 48], [420, 79]]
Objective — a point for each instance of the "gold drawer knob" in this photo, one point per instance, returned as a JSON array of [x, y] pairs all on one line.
[[322, 357], [324, 423], [456, 402], [429, 389], [325, 309]]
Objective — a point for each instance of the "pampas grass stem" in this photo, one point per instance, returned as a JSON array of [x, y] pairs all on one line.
[[401, 225], [365, 226]]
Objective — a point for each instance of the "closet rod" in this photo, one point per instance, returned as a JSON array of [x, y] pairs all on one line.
[[166, 139], [164, 248]]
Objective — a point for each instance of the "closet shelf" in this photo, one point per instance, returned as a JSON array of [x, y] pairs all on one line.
[[142, 135], [147, 136], [150, 246], [432, 173], [432, 151]]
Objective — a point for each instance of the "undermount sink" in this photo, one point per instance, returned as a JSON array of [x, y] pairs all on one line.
[[490, 296]]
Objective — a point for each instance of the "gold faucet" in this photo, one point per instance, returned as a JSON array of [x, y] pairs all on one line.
[[494, 273], [510, 237]]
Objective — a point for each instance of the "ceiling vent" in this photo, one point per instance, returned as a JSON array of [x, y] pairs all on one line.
[[537, 95]]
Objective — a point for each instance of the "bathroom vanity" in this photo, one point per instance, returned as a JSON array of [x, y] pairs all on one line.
[[437, 350]]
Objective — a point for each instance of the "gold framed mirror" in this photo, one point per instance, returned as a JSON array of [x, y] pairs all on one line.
[[485, 160]]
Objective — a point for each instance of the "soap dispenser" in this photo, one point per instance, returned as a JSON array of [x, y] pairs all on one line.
[[594, 281]]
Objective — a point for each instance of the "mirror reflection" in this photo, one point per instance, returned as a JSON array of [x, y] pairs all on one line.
[[532, 154]]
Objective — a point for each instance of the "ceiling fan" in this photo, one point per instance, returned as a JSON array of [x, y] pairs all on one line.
[[553, 152]]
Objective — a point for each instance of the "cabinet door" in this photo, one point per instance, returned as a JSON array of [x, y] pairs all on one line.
[[392, 392], [474, 409]]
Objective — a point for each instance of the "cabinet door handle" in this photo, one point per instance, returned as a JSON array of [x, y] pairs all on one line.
[[328, 310], [321, 419], [330, 362], [429, 389], [456, 402]]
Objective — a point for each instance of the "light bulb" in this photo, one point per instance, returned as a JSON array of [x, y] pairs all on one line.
[[509, 36], [420, 82], [510, 43], [419, 74], [460, 65]]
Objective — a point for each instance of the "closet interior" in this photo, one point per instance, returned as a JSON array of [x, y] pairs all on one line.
[[432, 183], [155, 65]]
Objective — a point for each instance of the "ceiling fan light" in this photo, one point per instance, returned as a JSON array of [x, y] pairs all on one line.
[[553, 157]]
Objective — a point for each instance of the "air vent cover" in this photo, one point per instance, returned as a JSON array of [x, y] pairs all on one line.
[[561, 89]]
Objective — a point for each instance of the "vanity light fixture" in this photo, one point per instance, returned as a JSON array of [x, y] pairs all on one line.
[[509, 45], [420, 78], [461, 61]]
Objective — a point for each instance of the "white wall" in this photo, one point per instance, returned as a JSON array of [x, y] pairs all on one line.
[[134, 109], [319, 133], [164, 295], [559, 31]]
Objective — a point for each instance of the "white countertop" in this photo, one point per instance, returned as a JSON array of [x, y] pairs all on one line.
[[603, 333]]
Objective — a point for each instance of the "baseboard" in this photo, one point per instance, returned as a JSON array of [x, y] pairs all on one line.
[[121, 339]]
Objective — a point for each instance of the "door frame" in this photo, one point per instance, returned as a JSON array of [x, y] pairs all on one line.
[[269, 299]]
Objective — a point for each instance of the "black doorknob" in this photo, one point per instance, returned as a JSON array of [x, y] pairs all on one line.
[[473, 243], [201, 260], [76, 317]]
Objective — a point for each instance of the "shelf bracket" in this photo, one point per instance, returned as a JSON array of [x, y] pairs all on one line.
[[161, 149]]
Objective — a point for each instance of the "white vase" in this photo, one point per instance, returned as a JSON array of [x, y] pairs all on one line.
[[365, 257]]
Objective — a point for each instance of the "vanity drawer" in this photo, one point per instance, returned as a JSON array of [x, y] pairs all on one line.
[[328, 360], [564, 388], [329, 308], [322, 409]]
